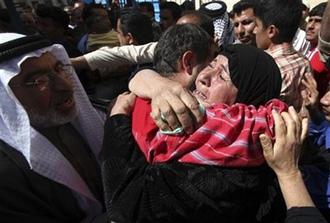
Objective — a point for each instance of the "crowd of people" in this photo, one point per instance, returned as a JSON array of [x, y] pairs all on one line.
[[206, 116]]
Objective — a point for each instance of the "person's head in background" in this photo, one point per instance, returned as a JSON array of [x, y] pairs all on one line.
[[52, 21], [223, 28], [29, 22], [134, 28], [199, 19], [96, 19], [187, 6], [305, 14], [313, 25], [277, 22], [182, 52], [76, 14], [244, 21], [170, 12], [148, 9]]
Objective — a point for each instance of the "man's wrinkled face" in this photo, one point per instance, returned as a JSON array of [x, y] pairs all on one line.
[[44, 89], [166, 19], [244, 24], [262, 39], [213, 84], [313, 27]]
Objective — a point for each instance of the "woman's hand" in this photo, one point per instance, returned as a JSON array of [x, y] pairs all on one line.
[[124, 104]]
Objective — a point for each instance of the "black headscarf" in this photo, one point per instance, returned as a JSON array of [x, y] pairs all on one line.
[[254, 73]]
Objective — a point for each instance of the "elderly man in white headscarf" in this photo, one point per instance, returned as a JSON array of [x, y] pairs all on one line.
[[50, 136]]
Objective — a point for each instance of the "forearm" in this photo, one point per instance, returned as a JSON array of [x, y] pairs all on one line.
[[325, 25], [113, 58], [294, 191], [79, 63], [147, 83]]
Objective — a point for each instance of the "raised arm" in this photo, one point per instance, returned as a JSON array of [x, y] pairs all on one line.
[[113, 58], [283, 157]]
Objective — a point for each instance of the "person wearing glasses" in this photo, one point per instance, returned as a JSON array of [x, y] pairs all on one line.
[[50, 136]]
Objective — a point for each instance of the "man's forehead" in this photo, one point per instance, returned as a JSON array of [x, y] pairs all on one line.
[[34, 64], [248, 12]]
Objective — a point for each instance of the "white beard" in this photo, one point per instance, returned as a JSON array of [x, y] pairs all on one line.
[[52, 118]]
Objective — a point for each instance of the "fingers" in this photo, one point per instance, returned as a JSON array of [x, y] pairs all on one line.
[[296, 122], [280, 127], [304, 129], [156, 115], [267, 146], [176, 108]]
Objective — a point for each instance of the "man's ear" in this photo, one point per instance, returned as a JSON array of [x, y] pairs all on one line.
[[272, 32], [187, 61], [130, 39]]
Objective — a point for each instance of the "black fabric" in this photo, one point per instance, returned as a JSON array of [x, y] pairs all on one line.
[[254, 73], [304, 215], [214, 12], [136, 191], [26, 196], [21, 46]]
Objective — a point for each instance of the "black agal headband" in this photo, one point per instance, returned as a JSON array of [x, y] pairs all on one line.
[[21, 46]]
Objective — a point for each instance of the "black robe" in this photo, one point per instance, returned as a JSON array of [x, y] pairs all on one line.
[[136, 191], [26, 196]]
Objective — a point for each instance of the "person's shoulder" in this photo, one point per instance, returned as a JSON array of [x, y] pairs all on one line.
[[13, 166]]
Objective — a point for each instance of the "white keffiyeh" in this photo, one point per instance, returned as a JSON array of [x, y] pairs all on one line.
[[41, 155]]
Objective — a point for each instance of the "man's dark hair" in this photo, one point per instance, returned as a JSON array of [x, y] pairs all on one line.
[[139, 25], [58, 15], [205, 22], [243, 5], [149, 6], [173, 7], [88, 13], [318, 10], [285, 15], [177, 40], [187, 6]]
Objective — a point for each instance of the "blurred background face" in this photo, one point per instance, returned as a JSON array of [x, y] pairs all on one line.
[[166, 19], [101, 21], [244, 24], [313, 28], [325, 105]]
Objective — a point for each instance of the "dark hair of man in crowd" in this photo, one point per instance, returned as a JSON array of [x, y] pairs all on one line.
[[243, 5], [187, 6], [139, 25], [285, 15], [5, 25], [58, 15], [88, 14], [177, 40], [204, 21], [173, 7], [318, 10], [149, 6]]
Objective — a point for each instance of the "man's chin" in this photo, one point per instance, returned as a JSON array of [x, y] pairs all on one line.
[[51, 119]]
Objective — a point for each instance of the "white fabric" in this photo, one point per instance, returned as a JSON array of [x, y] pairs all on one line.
[[300, 43], [224, 30], [41, 154], [112, 58]]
